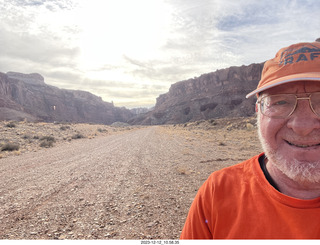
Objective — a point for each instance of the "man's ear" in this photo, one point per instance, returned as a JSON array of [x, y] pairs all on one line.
[[256, 107]]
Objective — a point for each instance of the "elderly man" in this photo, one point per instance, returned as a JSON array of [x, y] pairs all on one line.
[[275, 195]]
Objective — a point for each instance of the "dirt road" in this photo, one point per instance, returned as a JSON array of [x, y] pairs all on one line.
[[136, 184]]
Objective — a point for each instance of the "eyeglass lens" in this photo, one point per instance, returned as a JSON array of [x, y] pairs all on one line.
[[283, 105], [315, 103]]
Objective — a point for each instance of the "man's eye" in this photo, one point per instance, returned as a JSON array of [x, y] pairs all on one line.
[[280, 102]]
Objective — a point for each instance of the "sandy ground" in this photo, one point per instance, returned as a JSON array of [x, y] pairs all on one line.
[[103, 182]]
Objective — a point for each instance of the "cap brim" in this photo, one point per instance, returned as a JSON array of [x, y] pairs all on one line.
[[283, 80]]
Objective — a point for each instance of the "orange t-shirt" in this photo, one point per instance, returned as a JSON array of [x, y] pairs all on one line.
[[239, 203]]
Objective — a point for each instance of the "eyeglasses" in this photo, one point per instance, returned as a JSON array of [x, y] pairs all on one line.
[[283, 105]]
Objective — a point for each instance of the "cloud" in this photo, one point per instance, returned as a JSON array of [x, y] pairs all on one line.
[[125, 94], [52, 5], [132, 51], [33, 48]]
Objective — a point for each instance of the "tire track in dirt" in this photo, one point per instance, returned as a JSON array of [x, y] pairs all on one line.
[[87, 189], [135, 184], [39, 181]]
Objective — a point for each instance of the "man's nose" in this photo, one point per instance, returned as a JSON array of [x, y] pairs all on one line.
[[303, 120]]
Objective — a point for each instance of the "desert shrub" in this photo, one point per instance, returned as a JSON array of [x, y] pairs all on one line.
[[63, 128], [11, 125], [77, 136], [213, 122], [249, 126], [48, 138], [47, 141], [102, 130], [26, 136], [10, 147]]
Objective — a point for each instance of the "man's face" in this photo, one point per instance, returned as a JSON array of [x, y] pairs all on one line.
[[292, 144]]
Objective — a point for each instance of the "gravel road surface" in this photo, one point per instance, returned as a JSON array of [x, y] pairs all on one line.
[[135, 184]]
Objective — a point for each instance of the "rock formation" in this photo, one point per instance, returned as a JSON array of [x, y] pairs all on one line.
[[27, 96], [213, 95]]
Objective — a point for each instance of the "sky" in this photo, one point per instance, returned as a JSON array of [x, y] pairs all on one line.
[[130, 51]]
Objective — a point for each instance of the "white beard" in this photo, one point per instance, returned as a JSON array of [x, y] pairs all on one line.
[[299, 171]]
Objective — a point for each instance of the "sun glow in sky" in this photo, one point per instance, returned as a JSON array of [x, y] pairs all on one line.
[[131, 51]]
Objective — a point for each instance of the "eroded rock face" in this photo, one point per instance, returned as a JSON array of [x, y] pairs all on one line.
[[33, 78], [27, 94], [213, 95]]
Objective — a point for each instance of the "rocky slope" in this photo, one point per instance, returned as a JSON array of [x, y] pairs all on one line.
[[217, 94], [213, 95], [26, 96], [126, 184]]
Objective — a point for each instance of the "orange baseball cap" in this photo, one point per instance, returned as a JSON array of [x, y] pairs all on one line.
[[297, 62]]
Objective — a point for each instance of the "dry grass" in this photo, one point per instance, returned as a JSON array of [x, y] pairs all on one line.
[[20, 137], [140, 189], [214, 143], [226, 134]]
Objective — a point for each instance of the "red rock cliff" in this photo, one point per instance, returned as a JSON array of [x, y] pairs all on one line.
[[213, 95], [27, 96]]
